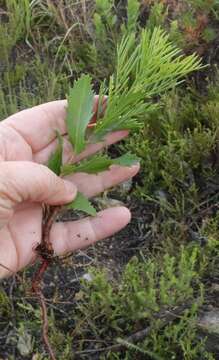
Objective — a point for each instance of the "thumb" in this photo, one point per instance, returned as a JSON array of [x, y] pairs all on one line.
[[27, 181]]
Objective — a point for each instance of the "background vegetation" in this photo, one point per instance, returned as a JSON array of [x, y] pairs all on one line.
[[158, 276]]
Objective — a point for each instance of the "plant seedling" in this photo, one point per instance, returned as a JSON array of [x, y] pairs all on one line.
[[146, 66]]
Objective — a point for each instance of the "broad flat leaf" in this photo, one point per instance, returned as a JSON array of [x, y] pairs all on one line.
[[55, 160], [126, 160], [99, 163], [79, 112], [81, 203], [91, 166]]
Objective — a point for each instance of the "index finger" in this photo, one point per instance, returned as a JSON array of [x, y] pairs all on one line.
[[37, 125]]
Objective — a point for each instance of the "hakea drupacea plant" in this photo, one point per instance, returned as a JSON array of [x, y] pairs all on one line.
[[146, 66]]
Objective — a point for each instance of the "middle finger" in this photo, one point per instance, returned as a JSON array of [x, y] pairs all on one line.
[[43, 155]]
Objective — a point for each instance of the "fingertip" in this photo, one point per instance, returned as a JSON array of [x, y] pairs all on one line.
[[118, 214], [123, 133], [117, 136], [62, 192], [71, 190], [71, 236], [135, 168], [125, 215]]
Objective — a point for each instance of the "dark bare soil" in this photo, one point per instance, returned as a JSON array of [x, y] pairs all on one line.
[[61, 281]]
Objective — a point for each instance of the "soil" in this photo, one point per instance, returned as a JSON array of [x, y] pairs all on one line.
[[61, 280]]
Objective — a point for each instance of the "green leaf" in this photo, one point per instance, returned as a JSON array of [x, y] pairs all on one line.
[[55, 160], [126, 160], [99, 163], [81, 203], [79, 112], [91, 166], [146, 67], [132, 14]]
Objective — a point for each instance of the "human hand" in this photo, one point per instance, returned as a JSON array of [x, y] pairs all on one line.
[[27, 139]]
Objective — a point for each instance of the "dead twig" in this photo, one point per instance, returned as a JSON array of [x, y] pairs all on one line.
[[167, 316]]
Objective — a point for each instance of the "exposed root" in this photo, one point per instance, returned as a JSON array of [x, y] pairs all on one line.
[[45, 325], [46, 253]]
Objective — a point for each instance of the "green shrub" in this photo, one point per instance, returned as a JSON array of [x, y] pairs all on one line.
[[178, 143], [148, 289]]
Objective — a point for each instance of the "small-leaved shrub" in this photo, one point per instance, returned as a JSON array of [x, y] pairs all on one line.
[[147, 290]]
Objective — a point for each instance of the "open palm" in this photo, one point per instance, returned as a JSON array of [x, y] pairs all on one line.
[[27, 139]]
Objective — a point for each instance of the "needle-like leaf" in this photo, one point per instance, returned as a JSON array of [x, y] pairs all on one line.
[[146, 67]]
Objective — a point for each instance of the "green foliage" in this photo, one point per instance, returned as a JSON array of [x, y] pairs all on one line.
[[55, 161], [93, 165], [143, 70], [79, 112], [192, 25], [99, 163], [182, 337], [81, 203], [5, 307], [137, 349], [28, 85], [180, 169], [146, 289], [177, 143], [154, 66], [16, 26], [132, 14], [81, 38], [158, 15]]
